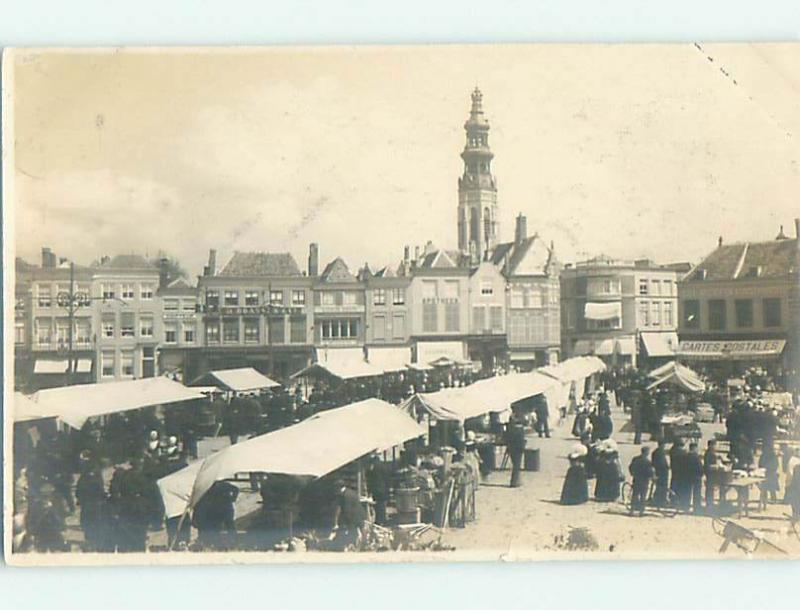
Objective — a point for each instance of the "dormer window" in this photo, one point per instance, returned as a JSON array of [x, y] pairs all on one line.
[[755, 271]]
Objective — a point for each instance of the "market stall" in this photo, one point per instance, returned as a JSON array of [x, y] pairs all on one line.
[[312, 448], [237, 380], [75, 404]]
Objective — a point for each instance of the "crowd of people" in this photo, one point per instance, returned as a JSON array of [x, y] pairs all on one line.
[[677, 474]]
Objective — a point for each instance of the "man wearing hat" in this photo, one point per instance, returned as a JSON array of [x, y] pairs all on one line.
[[661, 468], [515, 444], [677, 462], [642, 471]]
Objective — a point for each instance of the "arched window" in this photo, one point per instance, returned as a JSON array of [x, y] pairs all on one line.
[[474, 225], [487, 224]]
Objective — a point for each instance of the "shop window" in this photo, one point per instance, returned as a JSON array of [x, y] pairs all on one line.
[[429, 321], [379, 328], [170, 333], [452, 318], [297, 329], [716, 314], [691, 313], [744, 313], [212, 333], [230, 330], [772, 313], [251, 330], [107, 364], [251, 298], [231, 298]]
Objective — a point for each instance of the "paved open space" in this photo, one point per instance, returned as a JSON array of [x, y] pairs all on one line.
[[525, 522]]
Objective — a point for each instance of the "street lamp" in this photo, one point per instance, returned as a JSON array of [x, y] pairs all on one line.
[[72, 301]]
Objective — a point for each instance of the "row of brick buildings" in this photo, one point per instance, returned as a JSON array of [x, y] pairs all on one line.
[[489, 302]]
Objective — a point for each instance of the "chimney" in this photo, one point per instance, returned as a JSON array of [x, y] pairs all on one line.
[[719, 242], [212, 262], [48, 258], [416, 253], [521, 232], [313, 259], [163, 272], [797, 230], [105, 259], [406, 254]]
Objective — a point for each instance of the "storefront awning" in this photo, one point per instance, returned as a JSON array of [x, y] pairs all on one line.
[[237, 380], [604, 347], [659, 345], [58, 366], [625, 346], [731, 350], [431, 351], [389, 359], [602, 311], [77, 403], [314, 447], [521, 356], [42, 367]]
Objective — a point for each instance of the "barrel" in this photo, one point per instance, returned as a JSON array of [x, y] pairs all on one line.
[[532, 460], [406, 499]]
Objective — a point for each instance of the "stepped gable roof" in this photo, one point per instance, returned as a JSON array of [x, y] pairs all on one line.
[[271, 264]]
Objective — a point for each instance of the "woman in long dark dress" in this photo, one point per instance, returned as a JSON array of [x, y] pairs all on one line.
[[609, 474], [576, 486]]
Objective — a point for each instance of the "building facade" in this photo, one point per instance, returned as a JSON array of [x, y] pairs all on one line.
[[127, 317], [257, 311], [180, 323], [739, 308], [42, 325], [533, 310], [618, 310]]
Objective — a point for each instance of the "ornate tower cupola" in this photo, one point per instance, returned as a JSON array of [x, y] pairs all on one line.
[[478, 227]]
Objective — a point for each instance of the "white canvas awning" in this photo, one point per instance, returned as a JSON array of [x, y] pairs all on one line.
[[678, 375], [49, 366], [238, 380], [25, 409], [492, 395], [604, 347], [602, 311], [77, 403], [431, 351], [389, 359], [59, 366], [314, 447], [343, 363], [659, 345], [625, 346]]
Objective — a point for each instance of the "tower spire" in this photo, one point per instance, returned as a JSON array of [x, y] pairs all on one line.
[[477, 189]]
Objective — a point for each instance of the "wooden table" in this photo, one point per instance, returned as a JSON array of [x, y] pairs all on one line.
[[742, 487]]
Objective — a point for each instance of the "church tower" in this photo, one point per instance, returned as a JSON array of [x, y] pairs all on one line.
[[478, 227]]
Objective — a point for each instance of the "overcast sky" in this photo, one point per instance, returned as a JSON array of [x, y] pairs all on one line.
[[624, 150]]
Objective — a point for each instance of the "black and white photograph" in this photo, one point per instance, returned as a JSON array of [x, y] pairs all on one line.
[[490, 302]]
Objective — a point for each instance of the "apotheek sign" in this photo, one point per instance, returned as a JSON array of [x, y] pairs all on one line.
[[731, 349]]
